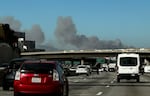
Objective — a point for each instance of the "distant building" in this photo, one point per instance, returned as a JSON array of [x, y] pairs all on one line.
[[20, 34], [30, 44], [26, 45]]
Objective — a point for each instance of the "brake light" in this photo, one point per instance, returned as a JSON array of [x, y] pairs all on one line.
[[17, 76], [55, 75]]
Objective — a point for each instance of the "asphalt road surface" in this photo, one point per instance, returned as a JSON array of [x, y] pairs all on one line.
[[103, 84]]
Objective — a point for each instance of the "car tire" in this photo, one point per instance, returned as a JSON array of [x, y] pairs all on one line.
[[17, 94], [66, 90], [118, 79], [5, 87], [138, 79]]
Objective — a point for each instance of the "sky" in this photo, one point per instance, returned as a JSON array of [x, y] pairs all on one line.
[[126, 20]]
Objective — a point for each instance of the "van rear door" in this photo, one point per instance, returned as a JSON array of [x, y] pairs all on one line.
[[128, 65]]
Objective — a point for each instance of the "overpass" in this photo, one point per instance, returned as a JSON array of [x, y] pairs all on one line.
[[68, 54]]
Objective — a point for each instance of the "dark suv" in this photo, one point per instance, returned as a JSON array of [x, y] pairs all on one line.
[[9, 75]]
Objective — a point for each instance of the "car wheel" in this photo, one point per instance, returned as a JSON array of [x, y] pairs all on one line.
[[118, 79], [5, 87], [65, 91], [138, 79], [17, 94]]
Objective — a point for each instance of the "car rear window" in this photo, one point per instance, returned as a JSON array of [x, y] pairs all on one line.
[[128, 61], [81, 67], [15, 64], [37, 67]]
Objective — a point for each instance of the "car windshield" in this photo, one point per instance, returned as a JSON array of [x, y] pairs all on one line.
[[128, 61], [37, 67]]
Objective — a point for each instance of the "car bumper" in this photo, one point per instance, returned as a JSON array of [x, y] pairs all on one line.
[[37, 89], [128, 76], [82, 72], [9, 82]]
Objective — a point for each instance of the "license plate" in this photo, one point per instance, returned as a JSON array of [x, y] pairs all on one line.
[[36, 80], [132, 74]]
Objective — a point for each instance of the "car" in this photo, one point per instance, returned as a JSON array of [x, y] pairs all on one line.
[[147, 69], [83, 69], [104, 67], [66, 71], [9, 74], [72, 70], [41, 78], [3, 66], [90, 68], [111, 67], [128, 66]]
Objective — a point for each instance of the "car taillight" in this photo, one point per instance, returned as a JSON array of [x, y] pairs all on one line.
[[17, 76], [55, 75]]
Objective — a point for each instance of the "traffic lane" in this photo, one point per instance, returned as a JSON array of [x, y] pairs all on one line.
[[6, 93], [85, 90], [129, 87], [103, 77], [81, 85], [97, 86], [90, 85], [127, 91]]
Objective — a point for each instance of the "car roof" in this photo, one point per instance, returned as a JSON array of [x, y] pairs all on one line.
[[21, 59], [40, 61]]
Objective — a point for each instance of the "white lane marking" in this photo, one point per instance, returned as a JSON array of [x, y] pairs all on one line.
[[107, 86], [99, 93], [76, 81]]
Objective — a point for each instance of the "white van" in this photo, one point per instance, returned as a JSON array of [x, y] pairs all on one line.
[[128, 66]]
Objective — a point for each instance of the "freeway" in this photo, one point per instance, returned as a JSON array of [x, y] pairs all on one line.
[[103, 84]]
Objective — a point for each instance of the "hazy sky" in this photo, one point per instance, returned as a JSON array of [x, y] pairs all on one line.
[[127, 20]]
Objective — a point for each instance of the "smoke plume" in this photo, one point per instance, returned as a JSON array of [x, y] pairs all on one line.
[[14, 24], [67, 36], [35, 33], [66, 33]]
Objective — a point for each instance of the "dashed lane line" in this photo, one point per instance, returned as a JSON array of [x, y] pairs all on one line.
[[99, 93]]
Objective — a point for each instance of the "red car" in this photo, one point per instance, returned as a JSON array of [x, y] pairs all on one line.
[[41, 77]]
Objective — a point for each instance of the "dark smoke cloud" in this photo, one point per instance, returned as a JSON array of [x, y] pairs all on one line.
[[66, 33], [66, 36], [35, 34], [15, 24], [48, 46]]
